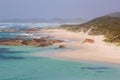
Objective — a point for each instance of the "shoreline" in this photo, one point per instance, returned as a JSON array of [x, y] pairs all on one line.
[[98, 51]]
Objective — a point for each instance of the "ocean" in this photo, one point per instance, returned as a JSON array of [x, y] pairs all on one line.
[[17, 63]]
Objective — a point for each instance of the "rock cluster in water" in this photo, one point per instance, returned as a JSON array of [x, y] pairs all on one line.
[[41, 42]]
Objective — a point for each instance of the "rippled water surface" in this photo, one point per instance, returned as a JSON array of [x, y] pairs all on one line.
[[16, 63]]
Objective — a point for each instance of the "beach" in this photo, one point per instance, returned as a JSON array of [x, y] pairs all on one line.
[[76, 61], [98, 51]]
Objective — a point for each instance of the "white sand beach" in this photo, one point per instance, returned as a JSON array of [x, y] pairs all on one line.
[[97, 51]]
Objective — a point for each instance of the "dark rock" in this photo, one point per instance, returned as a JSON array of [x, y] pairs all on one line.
[[62, 46], [42, 42], [24, 42]]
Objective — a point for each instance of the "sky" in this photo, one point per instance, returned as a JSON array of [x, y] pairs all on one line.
[[86, 9]]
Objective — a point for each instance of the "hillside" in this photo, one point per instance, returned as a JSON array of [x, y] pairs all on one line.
[[108, 25]]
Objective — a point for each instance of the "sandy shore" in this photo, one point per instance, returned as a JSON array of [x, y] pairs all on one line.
[[98, 51]]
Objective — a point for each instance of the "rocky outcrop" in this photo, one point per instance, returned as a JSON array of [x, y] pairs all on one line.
[[10, 42], [42, 42]]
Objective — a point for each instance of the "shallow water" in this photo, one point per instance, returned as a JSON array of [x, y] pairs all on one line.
[[16, 63], [9, 34]]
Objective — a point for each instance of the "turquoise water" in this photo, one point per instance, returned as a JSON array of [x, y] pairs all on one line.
[[18, 63], [26, 25], [10, 34]]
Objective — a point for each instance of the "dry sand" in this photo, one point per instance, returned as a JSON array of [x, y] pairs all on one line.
[[98, 51]]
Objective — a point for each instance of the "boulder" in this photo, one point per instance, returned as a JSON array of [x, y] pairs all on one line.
[[62, 46], [87, 40]]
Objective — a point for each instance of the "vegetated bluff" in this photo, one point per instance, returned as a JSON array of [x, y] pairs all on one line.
[[108, 25]]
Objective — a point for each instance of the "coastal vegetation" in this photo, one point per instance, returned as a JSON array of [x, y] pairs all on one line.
[[107, 25]]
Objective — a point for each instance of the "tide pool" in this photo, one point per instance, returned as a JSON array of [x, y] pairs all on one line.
[[16, 63]]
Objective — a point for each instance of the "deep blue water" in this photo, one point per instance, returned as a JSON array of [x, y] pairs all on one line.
[[18, 63]]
